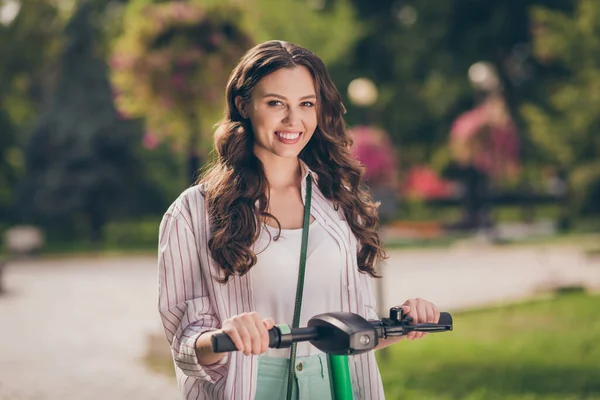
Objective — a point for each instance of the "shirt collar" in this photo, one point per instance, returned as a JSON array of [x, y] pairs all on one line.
[[305, 171]]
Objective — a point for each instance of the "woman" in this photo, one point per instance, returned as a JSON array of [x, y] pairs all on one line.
[[230, 246]]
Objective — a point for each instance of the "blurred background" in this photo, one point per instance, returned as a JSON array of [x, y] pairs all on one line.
[[477, 122]]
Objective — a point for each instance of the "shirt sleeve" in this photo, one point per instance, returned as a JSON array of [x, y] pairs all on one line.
[[185, 307], [371, 301]]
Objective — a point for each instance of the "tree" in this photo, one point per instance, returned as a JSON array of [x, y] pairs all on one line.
[[171, 65], [28, 43], [565, 127], [9, 155], [80, 165], [172, 61], [329, 28], [419, 54]]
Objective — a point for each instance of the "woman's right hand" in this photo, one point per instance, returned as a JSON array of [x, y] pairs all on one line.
[[249, 332]]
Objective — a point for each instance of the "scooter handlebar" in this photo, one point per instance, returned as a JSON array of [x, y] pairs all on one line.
[[221, 342]]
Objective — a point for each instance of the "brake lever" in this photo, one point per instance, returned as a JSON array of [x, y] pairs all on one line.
[[399, 324]]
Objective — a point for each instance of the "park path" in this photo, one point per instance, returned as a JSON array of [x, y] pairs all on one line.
[[474, 276], [78, 328]]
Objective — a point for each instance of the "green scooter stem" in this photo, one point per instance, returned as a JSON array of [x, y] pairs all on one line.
[[341, 384]]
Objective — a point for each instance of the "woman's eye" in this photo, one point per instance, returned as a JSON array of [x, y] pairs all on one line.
[[274, 103], [308, 104]]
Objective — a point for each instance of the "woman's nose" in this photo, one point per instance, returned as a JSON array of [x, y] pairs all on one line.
[[291, 116]]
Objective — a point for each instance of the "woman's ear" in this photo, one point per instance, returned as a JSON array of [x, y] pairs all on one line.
[[241, 106]]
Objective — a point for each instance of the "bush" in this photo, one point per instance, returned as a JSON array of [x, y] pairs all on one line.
[[142, 233]]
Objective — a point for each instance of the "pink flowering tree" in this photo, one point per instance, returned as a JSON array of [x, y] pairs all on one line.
[[170, 66], [373, 148]]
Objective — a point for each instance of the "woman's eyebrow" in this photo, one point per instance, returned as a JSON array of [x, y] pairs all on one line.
[[309, 96]]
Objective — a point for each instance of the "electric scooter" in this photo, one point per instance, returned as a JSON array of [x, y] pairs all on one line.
[[340, 334]]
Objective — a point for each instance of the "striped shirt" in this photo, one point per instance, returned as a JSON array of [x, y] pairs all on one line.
[[192, 302]]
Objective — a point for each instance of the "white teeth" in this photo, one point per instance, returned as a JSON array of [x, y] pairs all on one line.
[[289, 136]]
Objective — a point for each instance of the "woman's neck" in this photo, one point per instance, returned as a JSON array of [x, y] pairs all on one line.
[[281, 173]]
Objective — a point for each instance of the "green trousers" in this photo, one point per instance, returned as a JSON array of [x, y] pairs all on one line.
[[311, 381]]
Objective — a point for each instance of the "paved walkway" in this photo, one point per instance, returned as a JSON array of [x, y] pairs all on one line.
[[467, 277], [77, 329]]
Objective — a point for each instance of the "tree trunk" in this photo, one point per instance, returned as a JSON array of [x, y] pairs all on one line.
[[193, 165], [97, 222], [194, 158], [567, 203]]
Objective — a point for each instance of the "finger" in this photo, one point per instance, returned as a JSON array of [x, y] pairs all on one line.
[[409, 311], [406, 308], [232, 332], [436, 317], [254, 331], [244, 335], [269, 323], [262, 333], [413, 313], [430, 314], [422, 308], [422, 315]]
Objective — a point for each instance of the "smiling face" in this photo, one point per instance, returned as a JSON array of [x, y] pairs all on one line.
[[282, 112]]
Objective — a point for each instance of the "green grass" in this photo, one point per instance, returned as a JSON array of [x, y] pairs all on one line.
[[423, 212], [77, 248], [159, 364], [589, 243], [586, 241], [83, 248], [548, 349]]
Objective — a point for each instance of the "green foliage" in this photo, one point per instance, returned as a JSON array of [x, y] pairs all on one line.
[[163, 175], [566, 128], [27, 45], [330, 33], [419, 55], [81, 169], [420, 64], [9, 165], [172, 62], [171, 66], [544, 350], [132, 234]]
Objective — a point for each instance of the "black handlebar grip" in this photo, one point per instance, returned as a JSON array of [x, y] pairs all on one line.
[[445, 319], [222, 343]]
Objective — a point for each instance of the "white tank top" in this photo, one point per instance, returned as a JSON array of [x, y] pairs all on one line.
[[275, 278]]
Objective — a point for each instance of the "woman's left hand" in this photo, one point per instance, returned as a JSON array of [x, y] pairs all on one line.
[[421, 311]]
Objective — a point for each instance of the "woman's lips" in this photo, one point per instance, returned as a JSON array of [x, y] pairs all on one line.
[[288, 137]]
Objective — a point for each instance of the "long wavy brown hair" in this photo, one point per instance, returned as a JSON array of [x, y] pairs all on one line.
[[235, 186]]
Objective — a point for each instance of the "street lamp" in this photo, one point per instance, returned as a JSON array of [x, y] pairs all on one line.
[[483, 76], [362, 92], [405, 13], [9, 9]]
